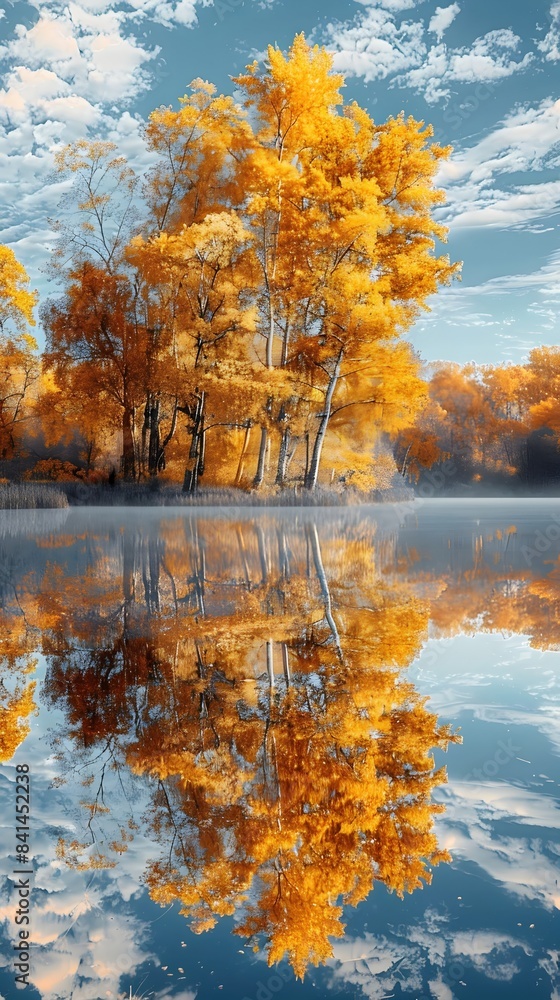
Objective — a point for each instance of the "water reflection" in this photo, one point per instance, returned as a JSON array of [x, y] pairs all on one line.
[[237, 728], [255, 675]]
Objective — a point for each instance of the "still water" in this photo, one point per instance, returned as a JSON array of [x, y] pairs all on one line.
[[306, 754]]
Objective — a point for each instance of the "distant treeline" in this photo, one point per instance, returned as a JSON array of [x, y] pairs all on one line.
[[494, 425]]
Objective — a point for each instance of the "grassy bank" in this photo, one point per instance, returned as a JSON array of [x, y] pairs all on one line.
[[22, 496], [32, 496]]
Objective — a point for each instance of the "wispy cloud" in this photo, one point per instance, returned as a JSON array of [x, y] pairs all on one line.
[[519, 311], [479, 191]]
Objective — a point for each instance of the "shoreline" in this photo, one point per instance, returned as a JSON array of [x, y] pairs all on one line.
[[52, 496]]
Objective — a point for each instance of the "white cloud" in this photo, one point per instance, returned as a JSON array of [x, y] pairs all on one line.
[[518, 862], [443, 17], [439, 989], [527, 141], [72, 72], [50, 41], [89, 52], [432, 76], [168, 992], [488, 59], [550, 45], [28, 89], [376, 964], [492, 954], [182, 12], [374, 46], [517, 206], [92, 22], [525, 312], [394, 5]]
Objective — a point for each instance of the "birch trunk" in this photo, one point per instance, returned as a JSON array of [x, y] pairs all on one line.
[[313, 471], [259, 475]]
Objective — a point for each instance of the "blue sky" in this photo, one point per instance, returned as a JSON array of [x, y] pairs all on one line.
[[484, 74]]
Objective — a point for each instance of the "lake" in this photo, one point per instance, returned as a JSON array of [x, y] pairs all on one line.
[[324, 739]]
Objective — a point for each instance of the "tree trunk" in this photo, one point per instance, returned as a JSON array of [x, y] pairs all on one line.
[[313, 471], [283, 457], [404, 466], [285, 339], [291, 454], [154, 438], [286, 664], [270, 663], [195, 464], [153, 456], [262, 553], [270, 337], [259, 475], [239, 472], [89, 451], [128, 458], [283, 554], [167, 438], [144, 437], [151, 565], [323, 582]]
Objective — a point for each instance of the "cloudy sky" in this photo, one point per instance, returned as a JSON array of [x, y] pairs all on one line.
[[482, 73]]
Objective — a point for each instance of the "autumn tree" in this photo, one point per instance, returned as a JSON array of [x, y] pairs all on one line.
[[191, 271], [17, 665], [340, 211], [17, 659], [19, 375], [543, 392], [19, 363], [16, 301], [287, 243], [474, 418], [196, 281], [486, 419], [96, 348], [96, 354]]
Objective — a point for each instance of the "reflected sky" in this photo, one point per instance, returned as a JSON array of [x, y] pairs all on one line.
[[232, 723]]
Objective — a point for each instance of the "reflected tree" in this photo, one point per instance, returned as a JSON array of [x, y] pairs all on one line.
[[255, 680]]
